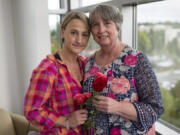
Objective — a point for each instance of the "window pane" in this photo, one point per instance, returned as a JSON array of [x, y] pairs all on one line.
[[53, 4], [159, 39], [91, 47], [81, 3], [54, 24]]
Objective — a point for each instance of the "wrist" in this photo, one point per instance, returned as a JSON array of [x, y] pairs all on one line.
[[67, 124], [61, 121], [119, 108]]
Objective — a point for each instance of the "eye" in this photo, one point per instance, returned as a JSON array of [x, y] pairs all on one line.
[[107, 22], [95, 24], [73, 32], [85, 34]]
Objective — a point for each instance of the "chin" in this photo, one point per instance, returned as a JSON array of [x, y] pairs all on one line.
[[77, 51], [104, 44]]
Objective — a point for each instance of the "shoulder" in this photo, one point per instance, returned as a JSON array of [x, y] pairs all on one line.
[[90, 58], [47, 65], [130, 51], [143, 59]]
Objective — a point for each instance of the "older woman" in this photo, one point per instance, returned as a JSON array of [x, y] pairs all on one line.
[[49, 101], [131, 101]]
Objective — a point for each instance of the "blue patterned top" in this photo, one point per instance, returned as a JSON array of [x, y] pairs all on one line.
[[130, 78]]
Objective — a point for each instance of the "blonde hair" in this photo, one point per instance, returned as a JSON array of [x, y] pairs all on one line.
[[75, 15]]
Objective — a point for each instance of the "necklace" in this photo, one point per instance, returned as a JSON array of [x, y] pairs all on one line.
[[102, 68], [72, 67]]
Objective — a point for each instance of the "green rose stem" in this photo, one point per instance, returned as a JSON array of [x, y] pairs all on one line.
[[94, 113], [98, 85]]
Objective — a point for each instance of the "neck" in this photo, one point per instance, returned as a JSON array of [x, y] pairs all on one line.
[[112, 50], [107, 56], [67, 56]]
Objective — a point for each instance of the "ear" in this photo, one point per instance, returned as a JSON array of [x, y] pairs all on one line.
[[62, 33]]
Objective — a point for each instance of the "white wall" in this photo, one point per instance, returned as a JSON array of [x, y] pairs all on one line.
[[24, 41], [6, 51]]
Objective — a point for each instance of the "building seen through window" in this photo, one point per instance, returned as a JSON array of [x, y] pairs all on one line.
[[159, 39]]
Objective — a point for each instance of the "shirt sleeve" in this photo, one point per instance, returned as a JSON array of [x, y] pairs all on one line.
[[149, 107], [36, 104]]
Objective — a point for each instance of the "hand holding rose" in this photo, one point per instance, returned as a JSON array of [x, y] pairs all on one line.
[[111, 106], [77, 118], [106, 104], [85, 99]]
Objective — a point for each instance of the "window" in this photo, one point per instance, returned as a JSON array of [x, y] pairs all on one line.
[[53, 4], [83, 3], [57, 9], [159, 39], [54, 24]]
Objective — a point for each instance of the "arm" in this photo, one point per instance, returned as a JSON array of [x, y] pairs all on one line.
[[36, 107], [149, 108], [38, 99], [122, 108]]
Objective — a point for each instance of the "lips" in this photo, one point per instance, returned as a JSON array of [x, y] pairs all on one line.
[[78, 45], [102, 36]]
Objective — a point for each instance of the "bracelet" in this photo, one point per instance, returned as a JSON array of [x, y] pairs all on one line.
[[67, 124]]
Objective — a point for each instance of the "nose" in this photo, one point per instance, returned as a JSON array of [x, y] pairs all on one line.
[[79, 38], [101, 28]]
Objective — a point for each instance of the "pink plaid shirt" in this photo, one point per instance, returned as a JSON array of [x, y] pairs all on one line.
[[50, 95]]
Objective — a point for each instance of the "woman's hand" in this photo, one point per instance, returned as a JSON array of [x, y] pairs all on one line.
[[77, 118], [106, 104]]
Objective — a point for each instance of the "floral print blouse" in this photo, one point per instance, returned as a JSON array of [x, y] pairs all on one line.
[[130, 78]]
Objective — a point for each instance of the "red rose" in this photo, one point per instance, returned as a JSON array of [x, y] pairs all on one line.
[[99, 82], [80, 98], [87, 94]]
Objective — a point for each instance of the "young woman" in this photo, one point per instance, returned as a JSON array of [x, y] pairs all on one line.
[[49, 100]]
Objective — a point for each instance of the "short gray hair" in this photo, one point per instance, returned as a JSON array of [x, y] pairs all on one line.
[[108, 13]]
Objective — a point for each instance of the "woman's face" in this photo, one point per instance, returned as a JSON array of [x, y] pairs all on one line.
[[105, 33], [75, 36]]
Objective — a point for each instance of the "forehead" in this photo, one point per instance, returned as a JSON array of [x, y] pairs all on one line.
[[98, 18], [77, 24]]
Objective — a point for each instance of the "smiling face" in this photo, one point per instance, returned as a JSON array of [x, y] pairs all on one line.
[[105, 32], [75, 36]]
